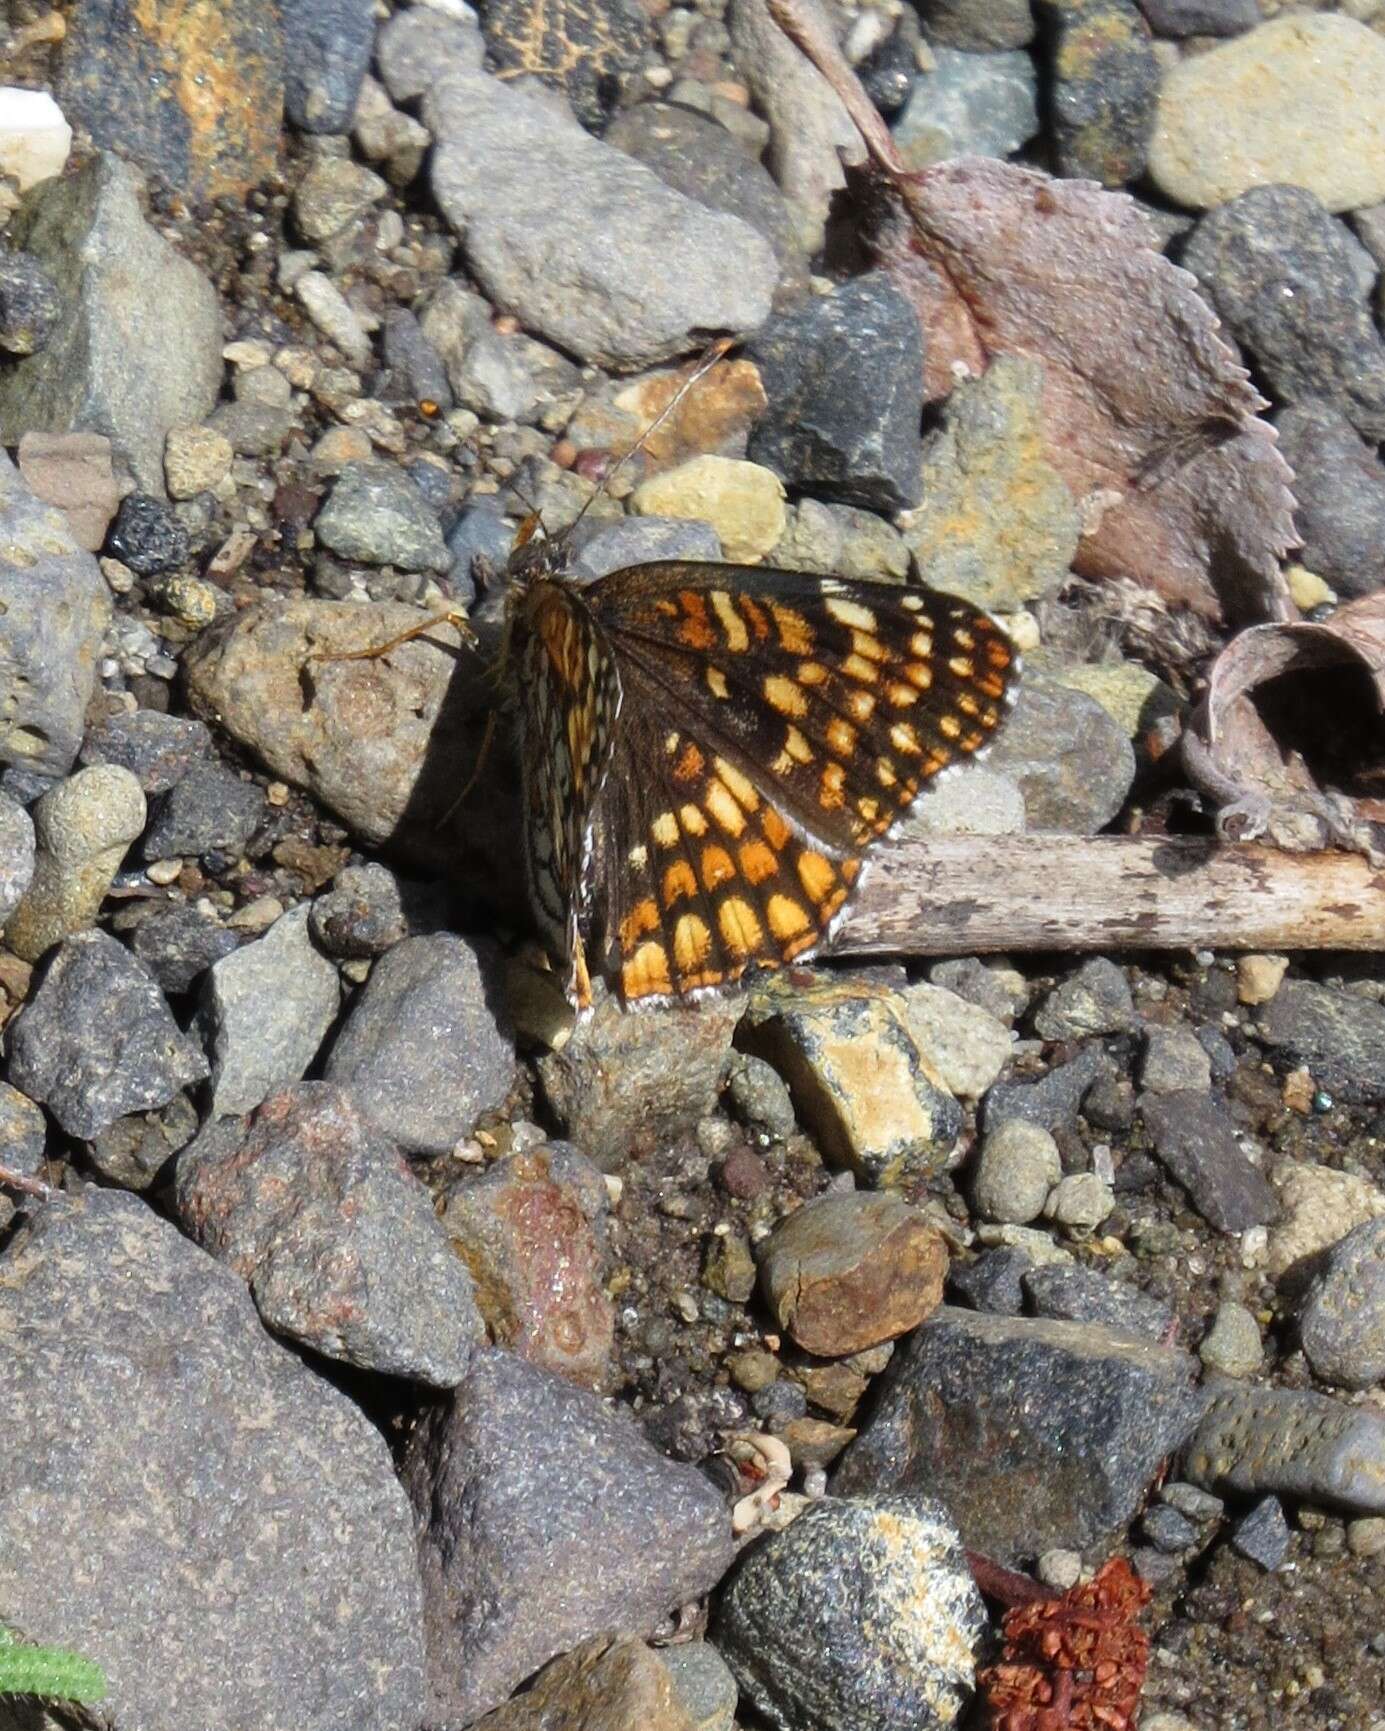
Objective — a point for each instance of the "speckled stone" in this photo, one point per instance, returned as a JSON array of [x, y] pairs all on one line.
[[1016, 1168], [1105, 86], [863, 1611], [1254, 1440], [1094, 1000], [1341, 1323], [610, 1683], [1339, 1035]]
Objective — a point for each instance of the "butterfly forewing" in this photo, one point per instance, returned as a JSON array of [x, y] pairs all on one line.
[[744, 736]]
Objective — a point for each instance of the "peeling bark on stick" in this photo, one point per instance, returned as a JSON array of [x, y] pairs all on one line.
[[961, 895]]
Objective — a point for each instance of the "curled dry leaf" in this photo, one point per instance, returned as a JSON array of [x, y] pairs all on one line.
[[765, 1468], [1148, 415], [1289, 741]]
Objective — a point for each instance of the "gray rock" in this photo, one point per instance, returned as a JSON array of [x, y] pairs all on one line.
[[1075, 1294], [1263, 1535], [1339, 494], [844, 379], [1105, 88], [1201, 17], [966, 1045], [420, 1049], [56, 606], [176, 941], [970, 105], [1017, 1167], [30, 305], [335, 193], [418, 45], [978, 25], [208, 810], [700, 159], [543, 1519], [157, 749], [862, 1612], [1339, 1035], [23, 1132], [1310, 1447], [378, 516], [532, 193], [416, 368], [480, 542], [134, 1152], [1192, 1136], [1079, 1203], [327, 47], [264, 1012], [1054, 1100], [1167, 1530], [702, 1685], [760, 1096], [16, 854], [1233, 1345], [147, 1368], [1284, 275], [992, 986], [337, 1238], [257, 429], [1070, 756], [993, 1281], [1341, 1324], [1094, 1000], [1174, 1060], [96, 1040], [1034, 1433], [641, 540], [362, 914], [122, 361]]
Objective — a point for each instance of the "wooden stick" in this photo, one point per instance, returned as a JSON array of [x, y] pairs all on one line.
[[966, 895]]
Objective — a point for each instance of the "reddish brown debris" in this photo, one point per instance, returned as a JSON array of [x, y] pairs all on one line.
[[1073, 1664]]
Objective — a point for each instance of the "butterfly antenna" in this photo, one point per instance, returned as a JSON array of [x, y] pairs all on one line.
[[709, 357]]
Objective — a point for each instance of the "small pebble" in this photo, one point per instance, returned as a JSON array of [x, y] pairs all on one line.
[[1263, 1535], [1366, 1537], [1233, 1345], [1018, 1166], [1060, 1569], [743, 502], [1080, 1202], [1167, 1530], [147, 536], [1094, 1000], [1341, 1323]]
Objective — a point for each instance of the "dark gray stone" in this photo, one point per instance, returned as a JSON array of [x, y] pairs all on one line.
[[862, 1612], [1263, 1535], [1310, 1447], [264, 1012], [969, 104], [844, 379], [1094, 1000], [362, 914], [1167, 1530], [1034, 1433], [1194, 1504], [1201, 17], [978, 25], [1076, 1294], [207, 810], [781, 1401], [700, 159], [1193, 1138], [1054, 1100], [421, 1049], [327, 46], [1174, 1061], [158, 1448], [1339, 1035], [1072, 758], [1286, 278], [254, 429], [1105, 89], [337, 1238], [479, 542], [994, 1281], [147, 536], [56, 607], [1110, 1103], [889, 71], [417, 373], [1342, 1322], [157, 749], [641, 540], [1339, 494], [121, 361], [376, 515], [96, 1039], [134, 1152], [545, 1518], [175, 941], [23, 1132], [30, 305], [1000, 991]]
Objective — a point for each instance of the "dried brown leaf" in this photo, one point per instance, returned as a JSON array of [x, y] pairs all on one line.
[[1148, 414]]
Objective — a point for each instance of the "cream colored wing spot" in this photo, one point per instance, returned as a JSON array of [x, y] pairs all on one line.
[[732, 625], [850, 613]]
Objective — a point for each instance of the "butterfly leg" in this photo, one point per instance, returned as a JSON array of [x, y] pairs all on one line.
[[458, 621]]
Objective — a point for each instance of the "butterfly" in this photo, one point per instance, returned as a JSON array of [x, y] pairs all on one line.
[[709, 751]]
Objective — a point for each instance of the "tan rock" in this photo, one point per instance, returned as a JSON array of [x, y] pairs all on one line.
[[1258, 977], [744, 502], [73, 472], [83, 828], [1320, 1206], [606, 1684]]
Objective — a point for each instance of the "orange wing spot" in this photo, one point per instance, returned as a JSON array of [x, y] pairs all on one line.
[[949, 727], [937, 760], [841, 736], [787, 918], [919, 673], [864, 644], [692, 943], [754, 616], [962, 666], [862, 703], [723, 807], [796, 750], [817, 875], [811, 673], [758, 862], [717, 867], [745, 794], [777, 832], [968, 704], [795, 633], [869, 808], [904, 738], [690, 764], [921, 644], [692, 820], [782, 694], [830, 787], [739, 928], [851, 613], [998, 652], [716, 680], [678, 882], [884, 772], [696, 630], [642, 918], [849, 869], [646, 974], [971, 741], [901, 696], [857, 667], [991, 686], [664, 829]]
